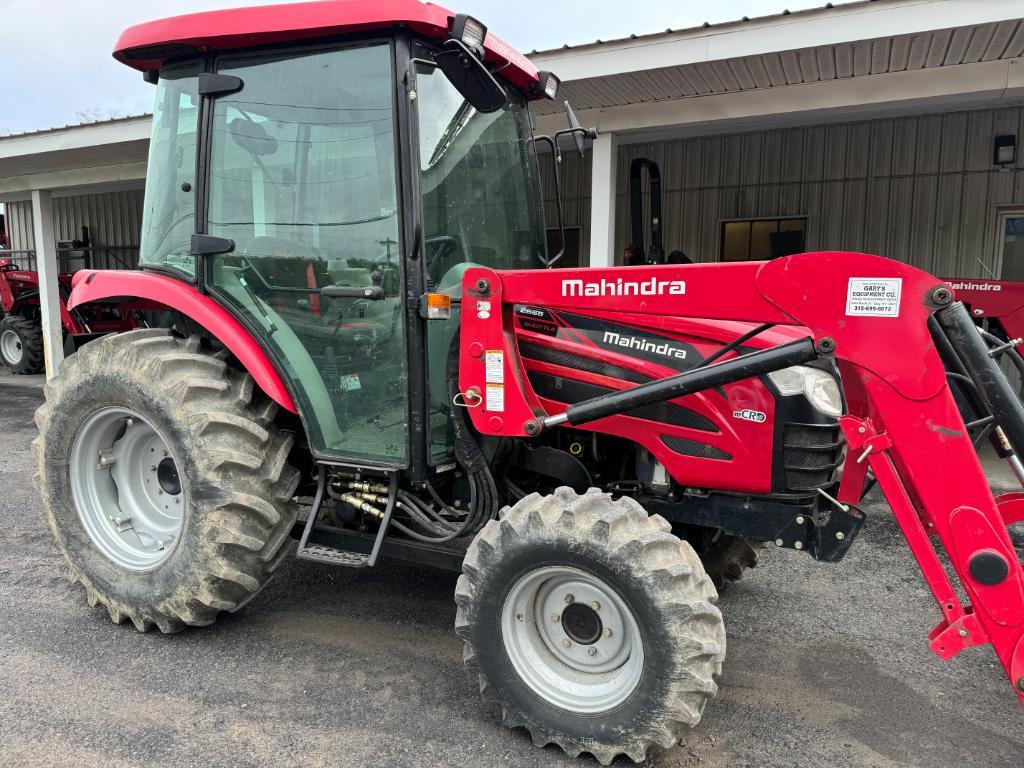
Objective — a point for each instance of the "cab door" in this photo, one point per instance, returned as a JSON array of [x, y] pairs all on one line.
[[303, 179]]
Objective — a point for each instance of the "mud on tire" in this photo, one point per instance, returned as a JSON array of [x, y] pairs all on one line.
[[25, 339], [232, 463], [656, 579]]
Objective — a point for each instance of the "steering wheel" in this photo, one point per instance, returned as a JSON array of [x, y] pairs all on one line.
[[439, 249]]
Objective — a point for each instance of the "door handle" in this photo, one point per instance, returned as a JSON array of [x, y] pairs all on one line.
[[372, 293]]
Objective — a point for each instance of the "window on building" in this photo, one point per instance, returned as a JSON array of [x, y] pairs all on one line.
[[762, 239]]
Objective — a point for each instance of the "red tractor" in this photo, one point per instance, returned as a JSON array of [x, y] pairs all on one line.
[[21, 332], [370, 354]]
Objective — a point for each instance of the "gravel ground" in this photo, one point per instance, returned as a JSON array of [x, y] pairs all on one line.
[[827, 665]]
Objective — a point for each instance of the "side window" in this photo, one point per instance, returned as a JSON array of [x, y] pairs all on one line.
[[303, 180], [169, 219]]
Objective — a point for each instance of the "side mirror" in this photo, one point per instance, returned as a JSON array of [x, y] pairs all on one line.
[[578, 134], [471, 77], [252, 137]]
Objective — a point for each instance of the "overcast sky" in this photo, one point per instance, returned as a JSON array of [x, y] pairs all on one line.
[[56, 68]]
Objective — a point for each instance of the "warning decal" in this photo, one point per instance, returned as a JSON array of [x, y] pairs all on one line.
[[874, 296], [495, 398], [494, 366]]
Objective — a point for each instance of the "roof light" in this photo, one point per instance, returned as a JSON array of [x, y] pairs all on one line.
[[547, 84], [471, 32]]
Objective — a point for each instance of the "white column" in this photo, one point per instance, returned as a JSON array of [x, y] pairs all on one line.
[[49, 293], [602, 200]]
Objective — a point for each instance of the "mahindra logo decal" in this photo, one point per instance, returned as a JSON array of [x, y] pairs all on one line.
[[620, 287], [969, 286], [643, 345]]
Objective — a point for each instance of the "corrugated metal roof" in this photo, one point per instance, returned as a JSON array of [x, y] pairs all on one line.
[[925, 50], [86, 124], [721, 25]]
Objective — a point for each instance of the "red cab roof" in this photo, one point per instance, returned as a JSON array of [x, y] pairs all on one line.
[[147, 46]]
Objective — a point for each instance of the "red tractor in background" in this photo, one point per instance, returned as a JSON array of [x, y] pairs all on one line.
[[21, 332]]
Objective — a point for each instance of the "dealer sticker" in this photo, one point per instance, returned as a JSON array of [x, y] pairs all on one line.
[[494, 366], [874, 297]]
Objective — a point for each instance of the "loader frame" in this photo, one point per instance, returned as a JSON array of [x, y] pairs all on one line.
[[872, 316]]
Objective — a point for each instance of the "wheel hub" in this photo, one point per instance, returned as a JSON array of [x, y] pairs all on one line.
[[167, 476], [582, 624], [10, 347], [126, 488], [572, 639]]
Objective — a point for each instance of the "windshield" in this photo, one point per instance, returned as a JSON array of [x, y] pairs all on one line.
[[169, 218], [480, 185]]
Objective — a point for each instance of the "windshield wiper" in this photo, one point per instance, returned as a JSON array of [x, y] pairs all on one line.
[[455, 125]]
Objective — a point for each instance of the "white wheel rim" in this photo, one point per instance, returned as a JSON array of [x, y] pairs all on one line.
[[10, 347], [563, 666], [123, 483]]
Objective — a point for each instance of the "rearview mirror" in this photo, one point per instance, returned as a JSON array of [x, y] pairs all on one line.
[[579, 135], [252, 137], [471, 77]]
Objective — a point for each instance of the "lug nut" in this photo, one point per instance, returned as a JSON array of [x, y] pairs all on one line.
[[556, 617], [607, 631], [592, 652], [570, 598], [595, 605], [567, 643], [519, 617]]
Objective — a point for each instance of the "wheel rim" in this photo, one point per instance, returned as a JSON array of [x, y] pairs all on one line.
[[572, 639], [10, 347], [125, 485]]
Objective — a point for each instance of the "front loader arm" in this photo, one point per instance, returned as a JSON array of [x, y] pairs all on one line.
[[871, 314]]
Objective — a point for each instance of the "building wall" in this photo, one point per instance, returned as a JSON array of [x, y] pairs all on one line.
[[918, 189], [114, 220]]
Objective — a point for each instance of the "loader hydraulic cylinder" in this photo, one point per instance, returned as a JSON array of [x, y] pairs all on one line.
[[687, 383], [996, 392]]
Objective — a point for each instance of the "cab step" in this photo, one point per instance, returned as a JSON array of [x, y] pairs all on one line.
[[320, 552]]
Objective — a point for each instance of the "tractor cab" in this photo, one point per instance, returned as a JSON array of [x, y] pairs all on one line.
[[318, 188]]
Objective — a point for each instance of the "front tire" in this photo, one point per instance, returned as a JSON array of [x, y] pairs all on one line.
[[590, 624], [166, 486], [21, 344]]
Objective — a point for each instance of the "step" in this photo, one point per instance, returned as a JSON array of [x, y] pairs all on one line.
[[323, 554]]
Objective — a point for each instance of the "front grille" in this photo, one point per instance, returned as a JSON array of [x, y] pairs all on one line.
[[812, 453], [571, 391]]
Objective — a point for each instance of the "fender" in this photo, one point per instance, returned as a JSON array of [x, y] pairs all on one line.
[[96, 285]]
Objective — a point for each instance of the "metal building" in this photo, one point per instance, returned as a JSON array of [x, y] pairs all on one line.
[[889, 126]]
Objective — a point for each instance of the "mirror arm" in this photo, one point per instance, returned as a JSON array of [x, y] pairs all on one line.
[[555, 159]]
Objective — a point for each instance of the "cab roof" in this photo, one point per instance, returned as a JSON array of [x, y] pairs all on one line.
[[149, 46]]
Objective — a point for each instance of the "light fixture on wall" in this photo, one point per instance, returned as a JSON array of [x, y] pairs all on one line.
[[1004, 152]]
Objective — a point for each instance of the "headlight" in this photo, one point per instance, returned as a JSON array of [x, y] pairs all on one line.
[[819, 387]]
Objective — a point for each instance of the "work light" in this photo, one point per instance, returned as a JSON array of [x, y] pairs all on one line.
[[471, 32], [547, 84]]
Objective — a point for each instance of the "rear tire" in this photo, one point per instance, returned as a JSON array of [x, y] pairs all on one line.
[[21, 344], [122, 400], [727, 559], [641, 653]]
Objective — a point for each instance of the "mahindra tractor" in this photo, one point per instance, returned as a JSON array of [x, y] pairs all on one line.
[[367, 350], [21, 330]]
